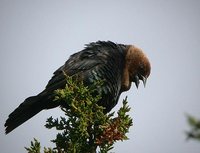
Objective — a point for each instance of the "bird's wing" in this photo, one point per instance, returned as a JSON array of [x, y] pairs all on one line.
[[78, 64], [90, 65]]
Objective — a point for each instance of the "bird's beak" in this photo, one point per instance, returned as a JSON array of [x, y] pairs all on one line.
[[138, 78], [144, 80], [137, 81]]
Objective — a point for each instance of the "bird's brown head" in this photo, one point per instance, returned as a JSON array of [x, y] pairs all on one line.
[[138, 65]]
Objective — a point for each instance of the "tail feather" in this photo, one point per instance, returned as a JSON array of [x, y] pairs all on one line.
[[30, 107]]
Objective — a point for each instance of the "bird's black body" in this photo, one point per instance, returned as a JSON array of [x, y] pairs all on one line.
[[92, 64], [98, 61]]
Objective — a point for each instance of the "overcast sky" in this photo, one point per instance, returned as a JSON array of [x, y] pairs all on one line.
[[37, 37]]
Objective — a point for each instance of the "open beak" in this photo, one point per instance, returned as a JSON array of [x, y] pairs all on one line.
[[138, 78]]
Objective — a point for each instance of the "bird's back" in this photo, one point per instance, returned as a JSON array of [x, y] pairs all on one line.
[[98, 61]]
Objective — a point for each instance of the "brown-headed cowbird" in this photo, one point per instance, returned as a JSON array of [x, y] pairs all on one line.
[[117, 64]]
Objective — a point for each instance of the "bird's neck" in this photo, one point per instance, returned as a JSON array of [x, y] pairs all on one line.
[[126, 82]]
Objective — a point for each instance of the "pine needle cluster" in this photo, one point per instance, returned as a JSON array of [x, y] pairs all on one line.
[[85, 128]]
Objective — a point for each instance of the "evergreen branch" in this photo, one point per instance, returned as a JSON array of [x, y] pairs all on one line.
[[85, 128]]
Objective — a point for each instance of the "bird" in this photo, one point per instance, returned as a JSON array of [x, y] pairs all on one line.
[[119, 65]]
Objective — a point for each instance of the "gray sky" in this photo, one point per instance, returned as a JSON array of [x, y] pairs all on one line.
[[36, 37]]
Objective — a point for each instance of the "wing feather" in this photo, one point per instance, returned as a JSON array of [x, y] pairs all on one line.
[[99, 61]]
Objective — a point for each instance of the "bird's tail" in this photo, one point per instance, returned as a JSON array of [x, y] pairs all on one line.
[[30, 107]]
